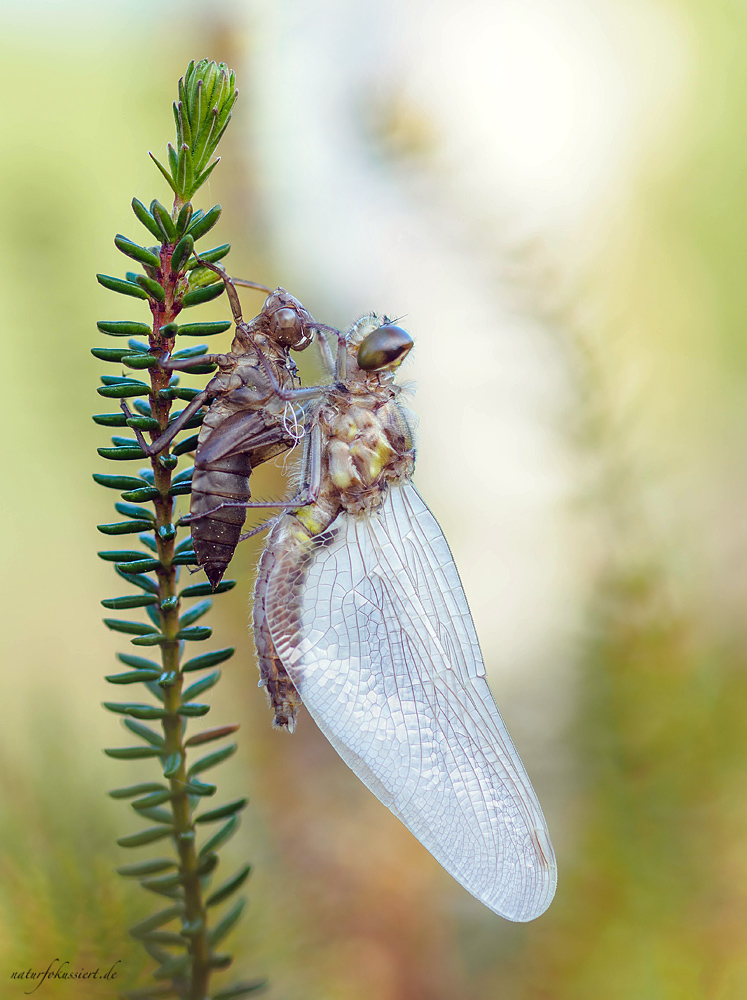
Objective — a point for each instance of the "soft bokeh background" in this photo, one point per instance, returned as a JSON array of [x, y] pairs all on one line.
[[554, 194]]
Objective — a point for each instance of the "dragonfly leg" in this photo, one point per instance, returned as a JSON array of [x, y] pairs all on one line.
[[231, 292], [161, 443], [326, 353], [289, 395], [184, 364], [308, 494]]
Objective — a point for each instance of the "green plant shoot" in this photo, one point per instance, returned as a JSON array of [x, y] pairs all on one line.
[[189, 829]]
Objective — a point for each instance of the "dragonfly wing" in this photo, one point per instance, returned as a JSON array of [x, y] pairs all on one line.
[[384, 654]]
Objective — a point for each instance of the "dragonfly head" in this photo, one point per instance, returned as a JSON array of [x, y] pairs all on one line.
[[384, 348]]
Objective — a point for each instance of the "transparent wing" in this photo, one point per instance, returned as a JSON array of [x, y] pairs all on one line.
[[384, 654]]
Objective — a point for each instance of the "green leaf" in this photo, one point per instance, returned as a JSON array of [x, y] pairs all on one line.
[[156, 815], [203, 685], [200, 226], [123, 527], [149, 541], [124, 556], [208, 735], [183, 249], [120, 454], [151, 639], [188, 352], [186, 445], [136, 252], [208, 660], [133, 790], [197, 633], [131, 510], [165, 937], [146, 218], [138, 662], [130, 601], [143, 423], [219, 961], [156, 920], [163, 218], [165, 173], [203, 589], [117, 482], [207, 864], [199, 788], [141, 566], [212, 760], [137, 580], [152, 799], [140, 361], [173, 967], [173, 163], [211, 256], [193, 711], [200, 295], [229, 887], [121, 390], [142, 495], [109, 419], [203, 329], [145, 732], [201, 178], [152, 287], [192, 928], [168, 678], [195, 612], [238, 990], [171, 765], [221, 812], [114, 354], [129, 628], [226, 925], [219, 839], [124, 328], [135, 710], [185, 558], [132, 677], [144, 868], [145, 836], [164, 884], [118, 285], [184, 219], [184, 475], [132, 753]]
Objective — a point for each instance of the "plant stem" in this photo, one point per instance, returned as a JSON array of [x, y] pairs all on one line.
[[184, 835]]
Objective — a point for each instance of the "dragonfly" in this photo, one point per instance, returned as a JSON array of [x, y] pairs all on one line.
[[246, 423], [360, 615]]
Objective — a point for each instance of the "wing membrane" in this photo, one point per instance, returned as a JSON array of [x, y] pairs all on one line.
[[385, 657]]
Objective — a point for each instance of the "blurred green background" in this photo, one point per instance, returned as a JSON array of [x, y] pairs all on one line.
[[579, 166]]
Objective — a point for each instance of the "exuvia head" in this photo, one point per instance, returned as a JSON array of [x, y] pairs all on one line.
[[384, 348], [288, 321]]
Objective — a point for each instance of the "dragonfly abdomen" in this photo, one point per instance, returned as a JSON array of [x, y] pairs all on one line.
[[216, 536]]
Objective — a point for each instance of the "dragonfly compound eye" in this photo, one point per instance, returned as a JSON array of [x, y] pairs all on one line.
[[384, 349]]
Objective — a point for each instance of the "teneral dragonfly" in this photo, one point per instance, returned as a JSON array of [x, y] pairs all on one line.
[[360, 615]]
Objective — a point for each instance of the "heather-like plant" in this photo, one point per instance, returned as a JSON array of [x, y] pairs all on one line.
[[184, 936]]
